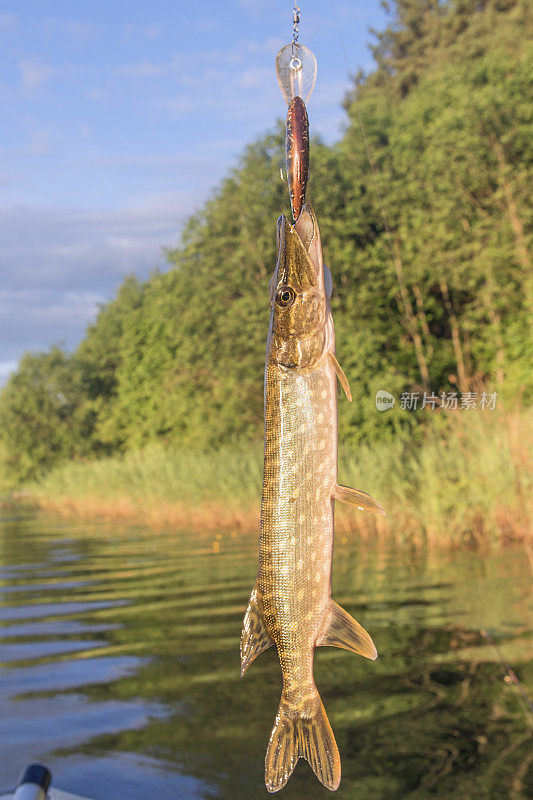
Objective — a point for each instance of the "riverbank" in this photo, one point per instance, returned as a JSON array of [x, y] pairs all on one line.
[[469, 481]]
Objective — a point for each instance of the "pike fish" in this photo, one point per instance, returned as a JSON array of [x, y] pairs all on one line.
[[290, 605]]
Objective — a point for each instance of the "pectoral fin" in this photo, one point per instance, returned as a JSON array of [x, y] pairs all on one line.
[[343, 380], [344, 631], [254, 638], [357, 499]]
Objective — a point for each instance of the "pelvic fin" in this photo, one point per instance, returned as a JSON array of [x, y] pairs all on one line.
[[359, 500]]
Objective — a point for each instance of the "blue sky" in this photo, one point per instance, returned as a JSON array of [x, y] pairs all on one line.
[[119, 119]]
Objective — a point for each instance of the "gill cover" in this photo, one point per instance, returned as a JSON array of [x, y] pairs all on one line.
[[298, 294]]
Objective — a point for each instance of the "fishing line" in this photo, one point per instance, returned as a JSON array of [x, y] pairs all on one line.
[[374, 170], [411, 320], [393, 244]]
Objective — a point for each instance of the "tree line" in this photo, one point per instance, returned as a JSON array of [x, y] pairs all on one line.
[[426, 223]]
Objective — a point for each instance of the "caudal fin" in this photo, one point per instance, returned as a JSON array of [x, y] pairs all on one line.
[[302, 735]]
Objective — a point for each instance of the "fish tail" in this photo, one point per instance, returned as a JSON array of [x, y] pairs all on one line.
[[306, 734]]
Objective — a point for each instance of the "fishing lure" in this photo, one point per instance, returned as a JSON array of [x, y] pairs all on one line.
[[297, 150]]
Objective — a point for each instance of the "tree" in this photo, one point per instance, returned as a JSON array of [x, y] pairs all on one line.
[[424, 212], [44, 416]]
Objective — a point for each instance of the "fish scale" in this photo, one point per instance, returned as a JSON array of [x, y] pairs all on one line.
[[297, 518], [291, 605]]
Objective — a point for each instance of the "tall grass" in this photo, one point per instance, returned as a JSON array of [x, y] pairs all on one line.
[[160, 485], [469, 480]]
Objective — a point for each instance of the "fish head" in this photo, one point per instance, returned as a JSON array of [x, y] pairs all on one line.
[[299, 295]]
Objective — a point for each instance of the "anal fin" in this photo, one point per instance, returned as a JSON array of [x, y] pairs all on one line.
[[254, 638], [343, 380], [360, 500], [344, 631]]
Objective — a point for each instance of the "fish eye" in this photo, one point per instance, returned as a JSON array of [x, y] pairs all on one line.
[[285, 297]]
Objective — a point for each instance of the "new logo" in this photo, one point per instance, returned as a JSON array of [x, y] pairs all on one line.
[[384, 400]]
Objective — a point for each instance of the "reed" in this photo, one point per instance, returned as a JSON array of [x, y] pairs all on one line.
[[467, 482]]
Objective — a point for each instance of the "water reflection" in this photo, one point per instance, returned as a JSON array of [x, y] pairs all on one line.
[[119, 649]]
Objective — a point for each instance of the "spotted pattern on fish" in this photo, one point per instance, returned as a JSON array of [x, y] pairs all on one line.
[[291, 605]]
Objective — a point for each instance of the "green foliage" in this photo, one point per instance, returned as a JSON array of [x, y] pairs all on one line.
[[424, 213], [100, 356], [45, 418]]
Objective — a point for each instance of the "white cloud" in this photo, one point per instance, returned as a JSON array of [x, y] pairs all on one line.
[[65, 309], [206, 24], [85, 250], [254, 77], [152, 31], [34, 320], [182, 104], [70, 29], [188, 67], [40, 142], [34, 74], [6, 368], [98, 93], [269, 46], [58, 265], [148, 69], [258, 8]]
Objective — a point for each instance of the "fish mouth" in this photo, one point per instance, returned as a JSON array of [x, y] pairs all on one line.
[[307, 229], [299, 263]]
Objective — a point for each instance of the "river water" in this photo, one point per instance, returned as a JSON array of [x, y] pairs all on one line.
[[119, 667]]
